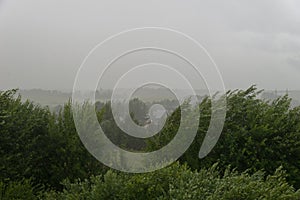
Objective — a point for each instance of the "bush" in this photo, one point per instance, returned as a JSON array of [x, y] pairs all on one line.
[[179, 182], [257, 135], [11, 190], [36, 144]]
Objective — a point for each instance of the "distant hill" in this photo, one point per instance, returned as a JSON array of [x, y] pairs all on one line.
[[272, 95], [53, 98], [45, 97]]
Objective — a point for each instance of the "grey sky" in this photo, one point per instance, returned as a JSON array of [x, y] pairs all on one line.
[[42, 43]]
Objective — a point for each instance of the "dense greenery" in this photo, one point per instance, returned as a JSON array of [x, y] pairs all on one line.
[[179, 182], [37, 144], [40, 150], [19, 190], [257, 135]]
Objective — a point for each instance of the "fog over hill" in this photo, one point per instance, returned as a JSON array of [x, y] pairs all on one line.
[[54, 98]]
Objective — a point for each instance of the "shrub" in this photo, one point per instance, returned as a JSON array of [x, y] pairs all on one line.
[[11, 190], [180, 182], [257, 135]]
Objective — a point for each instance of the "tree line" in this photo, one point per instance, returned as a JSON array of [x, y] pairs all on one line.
[[257, 155]]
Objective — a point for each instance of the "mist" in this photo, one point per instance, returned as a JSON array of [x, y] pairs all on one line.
[[43, 43]]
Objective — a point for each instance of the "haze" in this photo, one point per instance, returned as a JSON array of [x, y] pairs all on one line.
[[43, 43]]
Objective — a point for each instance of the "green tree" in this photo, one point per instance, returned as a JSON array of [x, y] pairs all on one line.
[[257, 135], [23, 132]]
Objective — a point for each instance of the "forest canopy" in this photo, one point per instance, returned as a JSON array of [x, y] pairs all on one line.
[[257, 155]]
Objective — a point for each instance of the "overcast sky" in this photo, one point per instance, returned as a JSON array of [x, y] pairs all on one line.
[[43, 43]]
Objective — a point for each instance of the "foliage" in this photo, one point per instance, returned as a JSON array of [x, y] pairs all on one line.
[[44, 147], [257, 135], [13, 190], [69, 158], [179, 182], [23, 135], [37, 144]]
